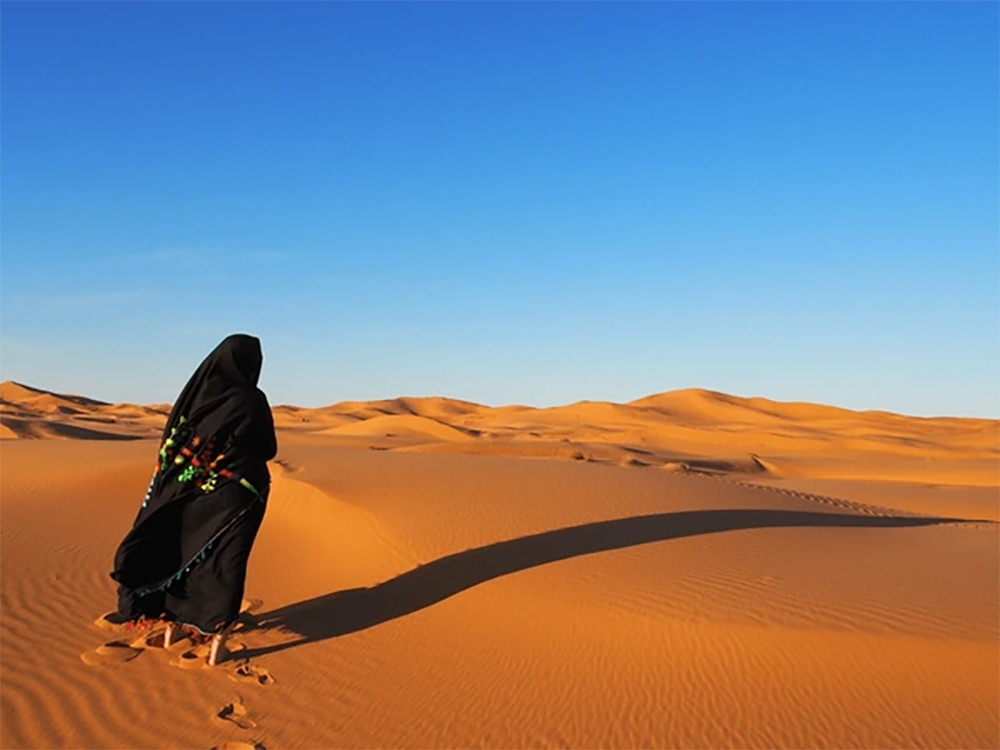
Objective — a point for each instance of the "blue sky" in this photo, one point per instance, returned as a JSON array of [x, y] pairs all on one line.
[[506, 202]]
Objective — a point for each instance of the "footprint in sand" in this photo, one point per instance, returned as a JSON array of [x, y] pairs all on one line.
[[112, 622], [192, 658], [236, 713], [149, 640], [123, 649], [188, 655], [110, 654], [250, 673]]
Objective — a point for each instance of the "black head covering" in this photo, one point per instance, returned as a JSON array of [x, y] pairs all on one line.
[[231, 370], [221, 403], [212, 467]]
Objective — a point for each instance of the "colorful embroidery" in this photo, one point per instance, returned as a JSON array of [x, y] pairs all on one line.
[[203, 463], [179, 436]]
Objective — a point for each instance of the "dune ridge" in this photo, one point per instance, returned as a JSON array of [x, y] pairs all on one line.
[[687, 430]]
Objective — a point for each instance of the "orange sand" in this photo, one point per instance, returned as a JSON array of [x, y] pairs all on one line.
[[687, 570]]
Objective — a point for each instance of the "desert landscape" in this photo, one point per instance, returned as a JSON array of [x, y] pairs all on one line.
[[543, 221], [690, 569]]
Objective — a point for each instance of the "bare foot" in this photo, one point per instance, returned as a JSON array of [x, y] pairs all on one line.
[[170, 636], [217, 652]]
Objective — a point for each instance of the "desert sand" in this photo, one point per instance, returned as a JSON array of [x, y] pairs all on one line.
[[690, 569]]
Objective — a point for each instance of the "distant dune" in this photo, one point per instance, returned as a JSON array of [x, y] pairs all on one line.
[[690, 569], [692, 430], [27, 412]]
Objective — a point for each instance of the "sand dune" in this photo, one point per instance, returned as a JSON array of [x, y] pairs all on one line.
[[37, 399], [665, 577], [402, 425], [698, 429], [27, 412]]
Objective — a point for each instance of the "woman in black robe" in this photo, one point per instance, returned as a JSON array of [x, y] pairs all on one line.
[[185, 559]]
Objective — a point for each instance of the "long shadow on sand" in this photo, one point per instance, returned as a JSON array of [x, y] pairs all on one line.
[[342, 612]]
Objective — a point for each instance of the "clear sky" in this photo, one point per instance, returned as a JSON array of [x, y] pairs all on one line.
[[506, 202]]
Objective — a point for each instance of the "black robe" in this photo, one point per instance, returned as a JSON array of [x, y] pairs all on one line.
[[185, 558]]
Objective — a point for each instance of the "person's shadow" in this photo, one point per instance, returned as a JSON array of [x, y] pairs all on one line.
[[342, 612]]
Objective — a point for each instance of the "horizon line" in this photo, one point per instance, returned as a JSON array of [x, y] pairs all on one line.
[[630, 403]]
